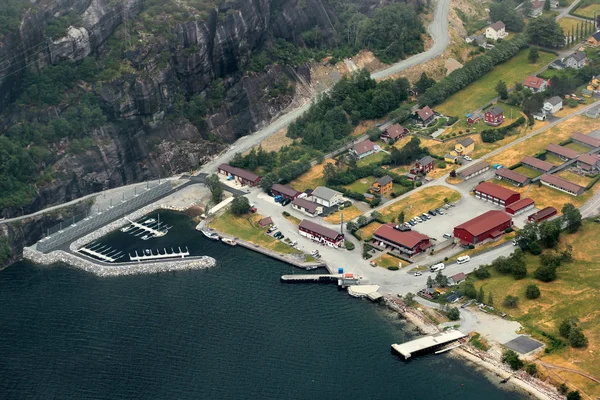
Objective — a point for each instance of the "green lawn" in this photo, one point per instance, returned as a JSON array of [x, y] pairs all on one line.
[[361, 185], [553, 159], [373, 158], [587, 11], [530, 172], [578, 147], [483, 90]]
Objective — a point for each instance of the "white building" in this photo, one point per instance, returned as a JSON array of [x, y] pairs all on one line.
[[326, 197], [496, 31], [553, 105]]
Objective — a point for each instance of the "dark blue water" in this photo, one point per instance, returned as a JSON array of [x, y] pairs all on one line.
[[232, 332]]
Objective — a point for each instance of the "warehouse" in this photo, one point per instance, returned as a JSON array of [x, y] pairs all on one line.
[[521, 206], [307, 207], [496, 194], [489, 225], [513, 177], [542, 214], [320, 233], [564, 153], [407, 243], [284, 191], [474, 170], [562, 184], [537, 164], [239, 175]]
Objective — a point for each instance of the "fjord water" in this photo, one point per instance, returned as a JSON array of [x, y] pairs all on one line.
[[231, 332]]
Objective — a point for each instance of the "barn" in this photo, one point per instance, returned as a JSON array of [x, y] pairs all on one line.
[[284, 191], [542, 214], [521, 206], [489, 225], [496, 194]]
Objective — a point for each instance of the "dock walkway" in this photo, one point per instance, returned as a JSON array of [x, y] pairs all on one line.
[[426, 343], [312, 278], [153, 231]]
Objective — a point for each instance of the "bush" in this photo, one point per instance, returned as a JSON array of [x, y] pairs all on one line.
[[577, 338], [286, 214], [511, 301], [471, 246], [532, 292], [419, 183], [482, 272], [535, 248], [453, 314], [441, 165], [545, 273], [512, 359], [575, 395], [393, 268], [531, 369], [349, 245], [509, 229]]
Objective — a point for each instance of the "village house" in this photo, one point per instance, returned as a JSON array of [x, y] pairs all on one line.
[[537, 8], [284, 191], [382, 186], [392, 133], [307, 207], [473, 118], [575, 60], [494, 116], [267, 221], [364, 149], [521, 206], [585, 140], [321, 234], [496, 194], [326, 197], [535, 84], [408, 243], [456, 279], [594, 40], [588, 163], [425, 115], [564, 153], [451, 158], [496, 31], [562, 184], [537, 164], [474, 170], [464, 147], [423, 166], [489, 225], [513, 177], [553, 105], [542, 215], [593, 112], [239, 175]]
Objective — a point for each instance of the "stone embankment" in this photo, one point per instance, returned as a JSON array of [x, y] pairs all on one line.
[[117, 269]]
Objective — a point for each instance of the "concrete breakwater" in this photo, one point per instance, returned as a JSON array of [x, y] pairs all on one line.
[[117, 269]]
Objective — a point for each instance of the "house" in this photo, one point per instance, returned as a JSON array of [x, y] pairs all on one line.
[[423, 166], [411, 177], [594, 40], [382, 186], [585, 140], [521, 206], [496, 31], [564, 153], [542, 215], [537, 8], [562, 184], [489, 225], [456, 279], [537, 164], [425, 115], [284, 191], [326, 197], [265, 222], [540, 115], [464, 147], [474, 170], [588, 162], [406, 243], [513, 177], [364, 149], [494, 116], [239, 175], [553, 105], [496, 194], [394, 132], [451, 158], [575, 60], [473, 118], [593, 112], [307, 207], [320, 233], [535, 84]]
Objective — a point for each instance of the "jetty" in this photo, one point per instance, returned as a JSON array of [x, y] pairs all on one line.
[[154, 232], [427, 343], [159, 256], [325, 278], [103, 253]]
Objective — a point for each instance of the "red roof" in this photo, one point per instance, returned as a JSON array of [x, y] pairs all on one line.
[[485, 222], [562, 151], [537, 163], [534, 81], [364, 147], [409, 239], [586, 139], [288, 191], [320, 229], [425, 113], [589, 159], [561, 183], [543, 214], [521, 204], [395, 131], [265, 221], [242, 173], [495, 191], [512, 175]]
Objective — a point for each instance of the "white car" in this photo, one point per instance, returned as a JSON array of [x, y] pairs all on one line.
[[437, 267], [418, 219], [418, 273], [447, 236], [463, 259], [468, 158]]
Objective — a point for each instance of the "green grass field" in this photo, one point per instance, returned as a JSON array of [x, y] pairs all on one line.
[[361, 185], [530, 172], [373, 158], [578, 147], [553, 159], [588, 11], [482, 91]]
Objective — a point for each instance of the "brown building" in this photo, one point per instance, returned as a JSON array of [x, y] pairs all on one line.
[[407, 243], [537, 164], [239, 175], [321, 233], [563, 152], [562, 184], [585, 140], [382, 186], [496, 194], [521, 206], [513, 177], [474, 170], [542, 214], [394, 132]]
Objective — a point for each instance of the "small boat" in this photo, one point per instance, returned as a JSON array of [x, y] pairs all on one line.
[[145, 237], [210, 235], [148, 252], [228, 241], [149, 221], [127, 228]]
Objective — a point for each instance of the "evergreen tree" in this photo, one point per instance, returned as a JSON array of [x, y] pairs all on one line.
[[490, 300], [481, 295], [534, 55], [502, 90], [547, 5]]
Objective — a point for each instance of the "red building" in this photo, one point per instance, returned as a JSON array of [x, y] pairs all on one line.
[[489, 225], [494, 116], [407, 243], [542, 214], [423, 166], [496, 194], [285, 191], [521, 206], [240, 175], [321, 233], [393, 133]]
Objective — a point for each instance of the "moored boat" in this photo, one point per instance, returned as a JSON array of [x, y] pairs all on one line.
[[210, 235], [228, 241]]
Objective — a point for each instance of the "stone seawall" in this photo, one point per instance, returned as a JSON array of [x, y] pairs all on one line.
[[117, 269]]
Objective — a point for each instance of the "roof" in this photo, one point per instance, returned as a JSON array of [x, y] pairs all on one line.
[[512, 175], [485, 222], [521, 204], [543, 213], [452, 156], [474, 168], [324, 193], [596, 35], [466, 142], [562, 151], [459, 277], [426, 160], [497, 25], [580, 137], [288, 191], [408, 239], [537, 4], [589, 159], [534, 81], [537, 163], [425, 113], [320, 229], [265, 221], [578, 56], [364, 146], [395, 131], [561, 183], [495, 111], [242, 173], [310, 206], [495, 191], [384, 180], [554, 100], [425, 342]]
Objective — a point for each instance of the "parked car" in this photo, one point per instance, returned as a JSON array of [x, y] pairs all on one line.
[[253, 209], [406, 224], [412, 223], [447, 236], [437, 267], [274, 227], [515, 243], [285, 202], [278, 198], [468, 158], [418, 273], [425, 216], [418, 219], [447, 206], [440, 211], [463, 259], [432, 213]]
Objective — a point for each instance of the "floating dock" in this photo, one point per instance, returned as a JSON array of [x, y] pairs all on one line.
[[159, 256], [101, 252], [362, 290], [311, 278], [427, 343], [143, 227]]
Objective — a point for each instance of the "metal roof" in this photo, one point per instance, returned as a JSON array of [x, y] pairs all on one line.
[[242, 173], [521, 204], [512, 175], [320, 229], [495, 191], [408, 239], [288, 191], [485, 222], [310, 206], [562, 151], [537, 163], [324, 193], [586, 139], [561, 183], [474, 168]]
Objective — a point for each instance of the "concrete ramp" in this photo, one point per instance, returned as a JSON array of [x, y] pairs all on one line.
[[426, 343]]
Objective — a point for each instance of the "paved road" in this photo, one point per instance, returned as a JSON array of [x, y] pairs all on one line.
[[565, 11]]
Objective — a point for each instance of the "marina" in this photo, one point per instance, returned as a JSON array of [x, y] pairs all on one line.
[[102, 252], [147, 229], [149, 254]]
